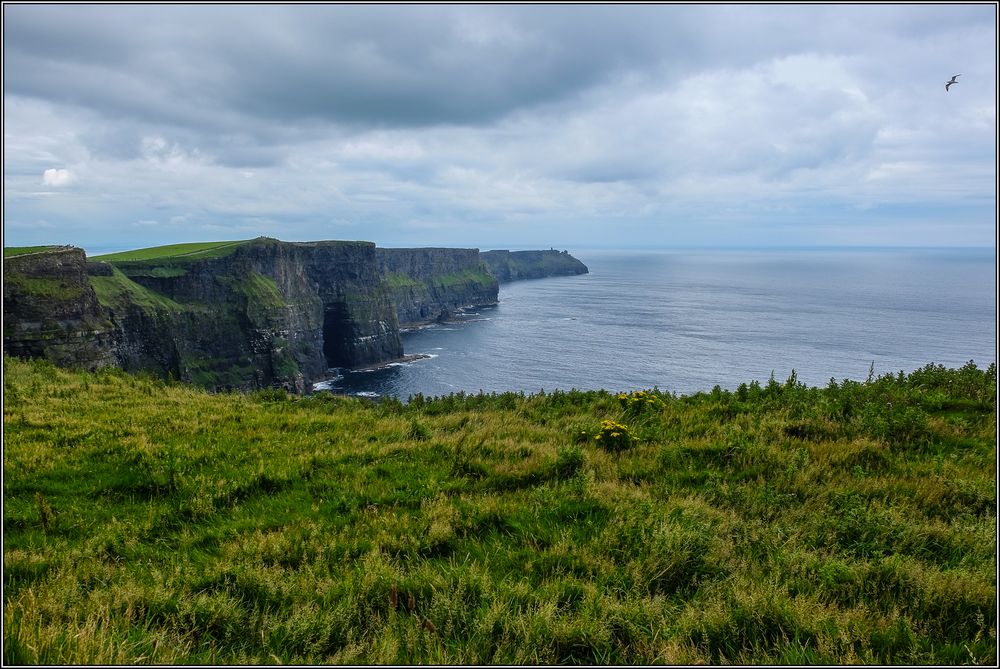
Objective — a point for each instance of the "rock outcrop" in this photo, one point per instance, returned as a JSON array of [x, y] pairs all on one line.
[[518, 265], [248, 314]]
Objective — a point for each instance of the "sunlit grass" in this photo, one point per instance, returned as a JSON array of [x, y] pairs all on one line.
[[11, 251], [194, 250], [147, 522]]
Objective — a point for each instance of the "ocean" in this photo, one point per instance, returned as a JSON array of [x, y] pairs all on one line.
[[686, 321]]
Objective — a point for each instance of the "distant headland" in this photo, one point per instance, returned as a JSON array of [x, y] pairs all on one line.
[[246, 314]]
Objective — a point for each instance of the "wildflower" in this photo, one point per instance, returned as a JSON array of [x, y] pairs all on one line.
[[639, 402], [614, 436]]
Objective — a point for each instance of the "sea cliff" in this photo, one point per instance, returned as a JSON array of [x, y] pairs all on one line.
[[432, 284], [518, 265], [51, 311], [243, 315]]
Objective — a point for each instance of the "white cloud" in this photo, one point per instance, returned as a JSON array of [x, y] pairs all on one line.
[[56, 177]]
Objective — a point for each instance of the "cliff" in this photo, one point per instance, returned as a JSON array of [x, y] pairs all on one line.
[[244, 315], [250, 314], [51, 310], [518, 265], [431, 284], [257, 314]]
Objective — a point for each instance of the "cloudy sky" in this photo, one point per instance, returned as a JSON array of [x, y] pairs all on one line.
[[506, 126]]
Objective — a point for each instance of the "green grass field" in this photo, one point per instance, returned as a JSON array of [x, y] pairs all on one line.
[[778, 524], [192, 251]]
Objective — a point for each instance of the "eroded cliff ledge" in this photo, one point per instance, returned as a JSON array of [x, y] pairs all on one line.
[[241, 315]]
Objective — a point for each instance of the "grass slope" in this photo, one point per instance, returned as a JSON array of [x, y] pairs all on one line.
[[118, 291], [153, 523], [191, 251]]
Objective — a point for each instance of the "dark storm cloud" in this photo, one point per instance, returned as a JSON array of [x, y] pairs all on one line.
[[387, 65], [403, 117], [390, 65]]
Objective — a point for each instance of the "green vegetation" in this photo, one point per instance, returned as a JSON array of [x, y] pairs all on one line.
[[11, 251], [167, 272], [192, 251], [118, 291], [58, 289], [778, 524], [397, 280], [219, 372], [469, 276], [260, 290]]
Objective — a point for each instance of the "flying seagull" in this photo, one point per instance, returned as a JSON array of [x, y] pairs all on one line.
[[948, 84]]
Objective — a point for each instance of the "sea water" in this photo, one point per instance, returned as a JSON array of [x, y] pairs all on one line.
[[686, 321]]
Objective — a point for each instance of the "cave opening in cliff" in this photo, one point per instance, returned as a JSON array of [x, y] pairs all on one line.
[[337, 335]]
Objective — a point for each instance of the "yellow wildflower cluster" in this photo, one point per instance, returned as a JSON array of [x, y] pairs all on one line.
[[613, 436], [640, 402]]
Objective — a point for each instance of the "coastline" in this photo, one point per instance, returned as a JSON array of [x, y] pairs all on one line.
[[388, 363]]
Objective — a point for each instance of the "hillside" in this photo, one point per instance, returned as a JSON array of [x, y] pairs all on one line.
[[155, 523]]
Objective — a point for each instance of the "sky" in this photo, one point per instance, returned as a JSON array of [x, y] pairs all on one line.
[[501, 126]]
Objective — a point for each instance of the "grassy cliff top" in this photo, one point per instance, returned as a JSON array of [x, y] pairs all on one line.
[[190, 251], [147, 522], [11, 251], [173, 254]]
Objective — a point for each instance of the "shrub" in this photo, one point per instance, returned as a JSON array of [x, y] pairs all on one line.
[[271, 395], [614, 436], [569, 461], [640, 403]]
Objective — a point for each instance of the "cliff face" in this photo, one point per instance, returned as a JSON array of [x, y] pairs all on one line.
[[52, 312], [518, 265], [359, 321], [249, 314], [268, 313], [429, 284]]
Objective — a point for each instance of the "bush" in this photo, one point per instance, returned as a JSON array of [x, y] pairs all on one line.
[[614, 436], [640, 403], [271, 395], [569, 461]]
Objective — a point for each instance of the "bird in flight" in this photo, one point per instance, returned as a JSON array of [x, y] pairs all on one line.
[[948, 84]]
